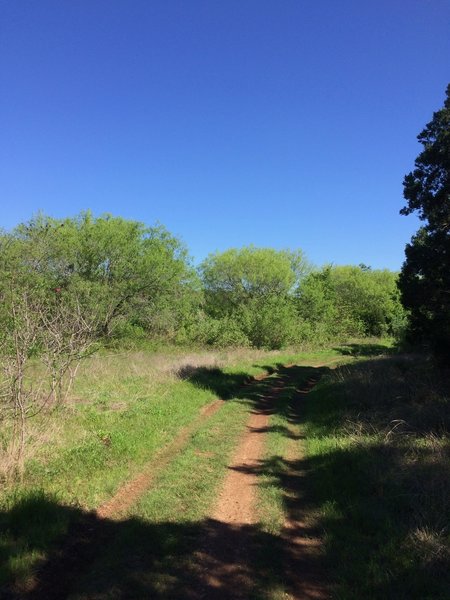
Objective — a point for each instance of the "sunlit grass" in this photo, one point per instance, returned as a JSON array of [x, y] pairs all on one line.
[[123, 409]]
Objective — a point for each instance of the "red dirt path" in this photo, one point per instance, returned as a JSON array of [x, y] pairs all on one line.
[[224, 553]]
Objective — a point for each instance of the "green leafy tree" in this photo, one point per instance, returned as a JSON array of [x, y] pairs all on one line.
[[64, 286], [349, 301], [368, 298], [123, 270], [316, 306], [254, 288], [425, 276]]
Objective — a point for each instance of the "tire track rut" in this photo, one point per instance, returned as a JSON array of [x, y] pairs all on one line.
[[222, 563], [56, 577]]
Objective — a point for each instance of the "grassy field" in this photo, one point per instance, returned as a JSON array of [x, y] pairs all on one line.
[[377, 458], [123, 410], [156, 550], [359, 463]]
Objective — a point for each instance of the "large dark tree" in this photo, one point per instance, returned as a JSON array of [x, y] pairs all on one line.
[[425, 277]]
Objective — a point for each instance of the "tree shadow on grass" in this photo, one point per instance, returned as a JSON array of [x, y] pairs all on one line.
[[384, 516], [224, 385], [382, 499], [368, 525], [375, 546], [292, 380], [382, 479], [101, 558], [363, 349]]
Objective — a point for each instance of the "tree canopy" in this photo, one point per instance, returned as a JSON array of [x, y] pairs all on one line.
[[425, 276], [427, 187], [113, 280], [117, 269], [250, 273], [342, 301], [254, 288]]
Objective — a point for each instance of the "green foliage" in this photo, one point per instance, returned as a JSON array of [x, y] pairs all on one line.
[[270, 322], [210, 331], [130, 284], [65, 286], [343, 302], [253, 287], [425, 277], [427, 188], [114, 268], [237, 276], [425, 286]]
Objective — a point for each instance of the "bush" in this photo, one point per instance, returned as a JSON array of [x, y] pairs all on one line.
[[218, 333]]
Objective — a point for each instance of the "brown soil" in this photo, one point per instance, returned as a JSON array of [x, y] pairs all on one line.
[[223, 566], [225, 558], [236, 499], [58, 574], [226, 548], [129, 493]]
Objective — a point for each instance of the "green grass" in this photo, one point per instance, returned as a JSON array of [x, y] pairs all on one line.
[[184, 492], [124, 409], [171, 510], [377, 458], [115, 444], [283, 486], [153, 552], [367, 470]]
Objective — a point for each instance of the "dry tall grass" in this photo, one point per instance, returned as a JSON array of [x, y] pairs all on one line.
[[114, 381]]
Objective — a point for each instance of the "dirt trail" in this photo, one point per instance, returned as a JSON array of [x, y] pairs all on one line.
[[223, 564], [80, 545], [226, 553], [226, 548], [238, 493], [236, 499], [131, 491]]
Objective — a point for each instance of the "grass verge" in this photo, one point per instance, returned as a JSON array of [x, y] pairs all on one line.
[[171, 510], [378, 468], [166, 545], [124, 409]]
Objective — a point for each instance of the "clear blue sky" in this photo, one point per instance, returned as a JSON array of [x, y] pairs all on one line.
[[284, 123]]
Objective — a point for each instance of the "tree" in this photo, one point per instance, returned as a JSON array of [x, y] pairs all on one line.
[[66, 285], [427, 188], [44, 332], [350, 301], [425, 277], [127, 271], [253, 287]]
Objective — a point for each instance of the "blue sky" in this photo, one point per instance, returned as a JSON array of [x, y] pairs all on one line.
[[283, 123]]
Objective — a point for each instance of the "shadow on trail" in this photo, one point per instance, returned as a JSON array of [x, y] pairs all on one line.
[[294, 381], [224, 385], [102, 558], [370, 499], [364, 349], [285, 431]]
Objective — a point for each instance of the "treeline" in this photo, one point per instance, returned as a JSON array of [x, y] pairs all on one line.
[[69, 286], [425, 275], [106, 279]]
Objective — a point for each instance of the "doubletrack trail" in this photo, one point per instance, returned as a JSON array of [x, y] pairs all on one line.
[[220, 564]]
